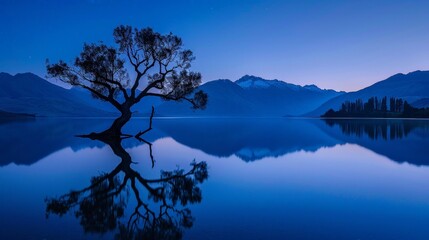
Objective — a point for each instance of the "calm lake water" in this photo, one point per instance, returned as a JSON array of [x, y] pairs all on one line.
[[267, 179]]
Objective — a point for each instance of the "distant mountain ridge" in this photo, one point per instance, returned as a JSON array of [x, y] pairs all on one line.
[[412, 87], [248, 96], [250, 81], [253, 96], [28, 93]]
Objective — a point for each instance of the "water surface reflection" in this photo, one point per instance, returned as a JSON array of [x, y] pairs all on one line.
[[249, 139], [100, 207], [401, 140], [269, 178]]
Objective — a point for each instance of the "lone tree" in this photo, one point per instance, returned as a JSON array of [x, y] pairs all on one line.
[[160, 64]]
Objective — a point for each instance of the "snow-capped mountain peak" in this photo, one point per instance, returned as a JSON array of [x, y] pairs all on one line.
[[312, 87], [249, 81]]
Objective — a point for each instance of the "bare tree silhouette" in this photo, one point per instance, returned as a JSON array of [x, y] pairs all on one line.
[[160, 64]]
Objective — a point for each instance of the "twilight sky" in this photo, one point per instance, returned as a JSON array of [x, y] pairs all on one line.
[[344, 45]]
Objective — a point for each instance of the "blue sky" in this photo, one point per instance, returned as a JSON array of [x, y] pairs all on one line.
[[344, 45]]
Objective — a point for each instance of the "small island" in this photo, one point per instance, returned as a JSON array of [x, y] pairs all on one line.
[[377, 108]]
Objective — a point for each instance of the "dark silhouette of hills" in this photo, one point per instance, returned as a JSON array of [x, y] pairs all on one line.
[[411, 87], [253, 96], [30, 94]]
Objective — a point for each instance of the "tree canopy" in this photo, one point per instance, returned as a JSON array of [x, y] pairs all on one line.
[[160, 65]]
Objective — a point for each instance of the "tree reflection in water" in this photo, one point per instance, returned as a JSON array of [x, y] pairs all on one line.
[[100, 207], [387, 129]]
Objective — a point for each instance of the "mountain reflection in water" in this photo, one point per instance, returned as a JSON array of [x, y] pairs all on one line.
[[269, 178], [249, 139]]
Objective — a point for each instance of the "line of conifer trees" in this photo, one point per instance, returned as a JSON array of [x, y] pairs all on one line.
[[378, 107], [374, 104]]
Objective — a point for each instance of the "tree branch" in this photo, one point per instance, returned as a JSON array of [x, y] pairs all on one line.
[[101, 96], [153, 84], [138, 135], [139, 76], [168, 97]]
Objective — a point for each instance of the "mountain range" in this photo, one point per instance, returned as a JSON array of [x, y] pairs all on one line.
[[247, 96], [253, 96]]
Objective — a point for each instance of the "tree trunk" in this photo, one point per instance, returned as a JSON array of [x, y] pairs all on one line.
[[115, 130]]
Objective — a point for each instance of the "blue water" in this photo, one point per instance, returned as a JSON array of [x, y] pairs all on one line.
[[273, 178]]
